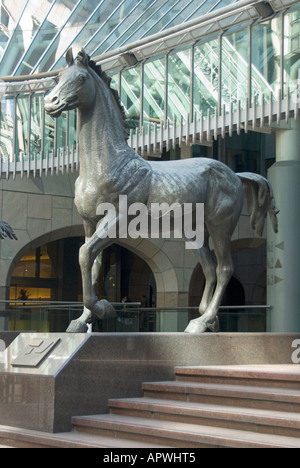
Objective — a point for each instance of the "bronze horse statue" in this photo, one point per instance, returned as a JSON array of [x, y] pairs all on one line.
[[109, 167]]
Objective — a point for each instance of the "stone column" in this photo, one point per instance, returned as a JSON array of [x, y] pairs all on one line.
[[283, 275]]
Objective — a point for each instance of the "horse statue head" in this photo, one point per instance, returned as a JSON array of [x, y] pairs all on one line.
[[75, 87]]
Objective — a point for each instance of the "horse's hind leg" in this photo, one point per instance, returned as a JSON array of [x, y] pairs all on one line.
[[208, 263], [224, 273]]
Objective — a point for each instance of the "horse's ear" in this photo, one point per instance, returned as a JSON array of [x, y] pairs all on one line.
[[69, 57], [83, 58]]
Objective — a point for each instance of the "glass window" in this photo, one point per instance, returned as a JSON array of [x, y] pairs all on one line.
[[190, 9], [128, 23], [146, 21], [62, 130], [112, 16], [234, 70], [72, 128], [154, 92], [266, 52], [36, 124], [160, 19], [49, 134], [179, 85], [206, 76], [38, 263], [64, 37], [292, 51], [131, 96], [22, 117], [7, 114]]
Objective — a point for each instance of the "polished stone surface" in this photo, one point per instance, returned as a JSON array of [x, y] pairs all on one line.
[[85, 370]]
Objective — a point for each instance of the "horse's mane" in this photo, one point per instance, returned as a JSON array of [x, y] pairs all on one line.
[[107, 80]]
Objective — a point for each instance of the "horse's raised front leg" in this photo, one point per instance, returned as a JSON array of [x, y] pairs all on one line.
[[87, 256], [80, 325]]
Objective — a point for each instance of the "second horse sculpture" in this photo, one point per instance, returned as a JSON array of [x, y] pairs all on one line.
[[109, 168]]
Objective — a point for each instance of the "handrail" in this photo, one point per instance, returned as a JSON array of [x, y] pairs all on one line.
[[33, 303], [130, 317], [127, 305], [152, 138]]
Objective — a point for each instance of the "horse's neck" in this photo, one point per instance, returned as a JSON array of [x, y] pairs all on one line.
[[100, 134]]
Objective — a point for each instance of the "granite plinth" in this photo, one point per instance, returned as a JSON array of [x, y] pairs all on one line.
[[84, 371]]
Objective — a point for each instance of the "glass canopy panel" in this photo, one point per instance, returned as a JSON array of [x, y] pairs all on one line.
[[234, 71], [164, 16], [21, 123], [72, 129], [192, 9], [112, 16], [131, 96], [57, 47], [206, 76], [83, 35], [49, 134], [7, 116], [53, 22], [31, 19], [180, 14], [140, 18], [179, 85], [36, 123], [291, 66], [35, 34], [266, 52], [62, 129], [154, 92], [10, 12]]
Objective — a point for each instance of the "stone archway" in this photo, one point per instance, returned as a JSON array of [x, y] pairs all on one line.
[[17, 251], [172, 266]]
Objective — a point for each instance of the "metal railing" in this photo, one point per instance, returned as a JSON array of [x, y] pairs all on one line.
[[130, 317], [153, 138]]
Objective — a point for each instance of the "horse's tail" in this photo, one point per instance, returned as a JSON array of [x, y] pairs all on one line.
[[260, 201]]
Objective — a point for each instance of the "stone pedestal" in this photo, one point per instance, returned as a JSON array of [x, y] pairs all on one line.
[[81, 372]]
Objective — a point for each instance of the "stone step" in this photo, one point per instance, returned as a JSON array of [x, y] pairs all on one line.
[[245, 419], [279, 376], [274, 399], [12, 437], [177, 434]]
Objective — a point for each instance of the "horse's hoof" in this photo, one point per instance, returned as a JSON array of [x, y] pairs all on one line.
[[196, 326], [214, 327], [76, 326], [103, 309]]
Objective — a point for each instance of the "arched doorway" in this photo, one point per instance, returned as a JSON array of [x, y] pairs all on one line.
[[234, 296], [51, 272]]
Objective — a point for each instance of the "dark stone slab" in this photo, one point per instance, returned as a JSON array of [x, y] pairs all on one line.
[[84, 371], [8, 337]]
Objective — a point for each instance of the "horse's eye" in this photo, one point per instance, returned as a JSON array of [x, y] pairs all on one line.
[[81, 78]]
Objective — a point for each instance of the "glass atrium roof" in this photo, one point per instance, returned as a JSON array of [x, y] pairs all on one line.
[[35, 34]]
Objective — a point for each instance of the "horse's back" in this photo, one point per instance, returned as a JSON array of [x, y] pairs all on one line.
[[191, 181]]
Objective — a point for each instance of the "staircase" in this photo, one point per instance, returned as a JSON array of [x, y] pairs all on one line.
[[208, 407]]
